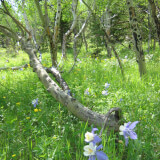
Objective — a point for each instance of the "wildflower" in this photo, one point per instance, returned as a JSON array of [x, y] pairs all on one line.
[[29, 65], [36, 110], [121, 100], [13, 155], [28, 118], [21, 69], [107, 85], [127, 131], [69, 92], [91, 137], [91, 150], [54, 137], [35, 102], [79, 60], [125, 57], [105, 93], [86, 91], [18, 103], [4, 97]]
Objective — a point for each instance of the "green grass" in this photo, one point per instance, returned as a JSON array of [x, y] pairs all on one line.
[[54, 133]]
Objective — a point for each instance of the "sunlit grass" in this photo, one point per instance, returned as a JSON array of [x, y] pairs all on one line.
[[54, 133]]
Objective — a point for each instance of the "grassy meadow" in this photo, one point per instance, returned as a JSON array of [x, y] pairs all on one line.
[[52, 133]]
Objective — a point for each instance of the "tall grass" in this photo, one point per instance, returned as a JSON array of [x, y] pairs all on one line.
[[54, 133]]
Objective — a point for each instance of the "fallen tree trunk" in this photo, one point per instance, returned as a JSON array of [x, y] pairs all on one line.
[[75, 107]]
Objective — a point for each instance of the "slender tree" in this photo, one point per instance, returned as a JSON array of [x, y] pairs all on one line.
[[137, 38]]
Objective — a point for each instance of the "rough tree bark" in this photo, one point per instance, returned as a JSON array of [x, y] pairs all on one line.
[[137, 38], [155, 18]]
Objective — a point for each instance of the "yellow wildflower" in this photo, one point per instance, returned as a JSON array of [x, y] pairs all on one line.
[[4, 97], [13, 155], [54, 137], [28, 118], [18, 103], [40, 110], [35, 110], [29, 65]]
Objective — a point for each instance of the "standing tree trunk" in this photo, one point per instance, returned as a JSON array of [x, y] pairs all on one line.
[[137, 39], [155, 18], [107, 26], [85, 41], [150, 29], [45, 22], [56, 31], [74, 10]]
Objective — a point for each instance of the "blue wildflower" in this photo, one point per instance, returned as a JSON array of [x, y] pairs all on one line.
[[86, 91], [69, 92], [92, 137], [127, 131], [35, 102], [107, 85], [93, 152], [105, 93]]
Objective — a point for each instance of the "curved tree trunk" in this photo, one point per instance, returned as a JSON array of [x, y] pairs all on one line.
[[71, 103]]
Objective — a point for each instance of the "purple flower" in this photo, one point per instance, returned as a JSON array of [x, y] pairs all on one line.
[[127, 131], [35, 102], [93, 152], [105, 93], [69, 92], [86, 92], [121, 100], [107, 85], [21, 69], [91, 137]]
